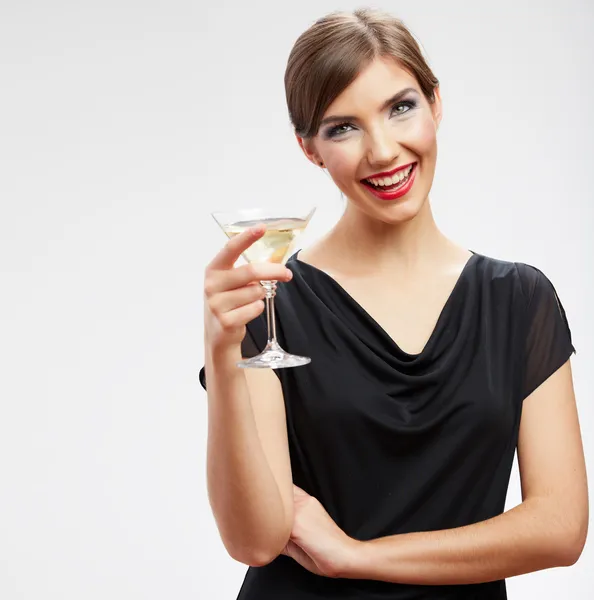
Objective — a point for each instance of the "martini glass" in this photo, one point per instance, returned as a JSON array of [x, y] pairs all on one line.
[[283, 227]]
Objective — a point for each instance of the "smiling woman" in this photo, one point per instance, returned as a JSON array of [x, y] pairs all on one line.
[[430, 365], [368, 108]]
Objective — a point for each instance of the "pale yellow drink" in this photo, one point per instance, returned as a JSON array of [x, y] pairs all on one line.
[[276, 244]]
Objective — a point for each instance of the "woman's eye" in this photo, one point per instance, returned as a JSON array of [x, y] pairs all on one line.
[[336, 130], [407, 103]]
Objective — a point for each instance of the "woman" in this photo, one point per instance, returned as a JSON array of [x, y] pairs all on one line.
[[380, 470]]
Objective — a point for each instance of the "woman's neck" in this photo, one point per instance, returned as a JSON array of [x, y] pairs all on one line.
[[359, 245]]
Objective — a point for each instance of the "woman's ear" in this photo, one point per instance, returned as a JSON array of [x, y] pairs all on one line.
[[437, 108], [309, 149]]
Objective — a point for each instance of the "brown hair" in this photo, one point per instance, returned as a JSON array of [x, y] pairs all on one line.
[[329, 55]]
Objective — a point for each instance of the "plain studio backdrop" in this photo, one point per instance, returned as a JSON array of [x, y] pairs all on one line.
[[122, 125]]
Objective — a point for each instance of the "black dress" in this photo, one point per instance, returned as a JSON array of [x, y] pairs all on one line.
[[391, 442]]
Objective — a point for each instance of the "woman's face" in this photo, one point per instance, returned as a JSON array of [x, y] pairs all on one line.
[[368, 130]]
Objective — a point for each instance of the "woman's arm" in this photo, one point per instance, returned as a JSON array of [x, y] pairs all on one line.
[[548, 529], [249, 478]]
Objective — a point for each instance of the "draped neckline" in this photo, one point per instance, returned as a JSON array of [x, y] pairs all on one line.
[[440, 322]]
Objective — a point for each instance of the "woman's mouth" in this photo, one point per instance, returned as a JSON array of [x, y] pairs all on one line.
[[390, 188]]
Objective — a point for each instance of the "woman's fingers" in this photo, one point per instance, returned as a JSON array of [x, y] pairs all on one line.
[[232, 250], [226, 301], [216, 282]]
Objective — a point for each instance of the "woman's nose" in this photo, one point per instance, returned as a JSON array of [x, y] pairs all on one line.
[[382, 148]]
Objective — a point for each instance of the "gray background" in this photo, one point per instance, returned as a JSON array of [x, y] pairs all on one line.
[[122, 124]]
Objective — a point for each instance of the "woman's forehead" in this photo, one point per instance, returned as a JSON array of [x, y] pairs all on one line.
[[379, 80]]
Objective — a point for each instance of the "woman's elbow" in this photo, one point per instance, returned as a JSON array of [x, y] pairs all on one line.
[[253, 557], [573, 543]]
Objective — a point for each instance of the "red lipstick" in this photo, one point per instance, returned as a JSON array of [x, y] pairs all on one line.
[[398, 192]]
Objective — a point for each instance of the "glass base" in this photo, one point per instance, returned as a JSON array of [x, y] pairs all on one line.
[[273, 357]]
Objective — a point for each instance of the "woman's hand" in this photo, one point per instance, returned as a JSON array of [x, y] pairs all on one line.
[[233, 296], [316, 541]]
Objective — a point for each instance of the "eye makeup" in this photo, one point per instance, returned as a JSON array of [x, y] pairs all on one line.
[[337, 130]]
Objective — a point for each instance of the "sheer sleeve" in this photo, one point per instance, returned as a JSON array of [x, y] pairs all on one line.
[[547, 342], [249, 346]]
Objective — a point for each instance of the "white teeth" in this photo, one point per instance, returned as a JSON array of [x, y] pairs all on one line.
[[397, 178]]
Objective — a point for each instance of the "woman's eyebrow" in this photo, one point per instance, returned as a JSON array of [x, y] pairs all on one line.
[[385, 105]]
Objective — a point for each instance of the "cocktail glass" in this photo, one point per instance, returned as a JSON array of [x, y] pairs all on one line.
[[283, 227]]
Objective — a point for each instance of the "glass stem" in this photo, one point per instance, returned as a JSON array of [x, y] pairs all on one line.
[[270, 287]]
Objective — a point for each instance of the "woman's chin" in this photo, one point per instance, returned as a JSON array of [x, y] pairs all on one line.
[[402, 213], [401, 210]]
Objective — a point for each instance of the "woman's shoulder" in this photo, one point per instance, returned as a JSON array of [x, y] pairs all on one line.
[[524, 276], [495, 273]]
